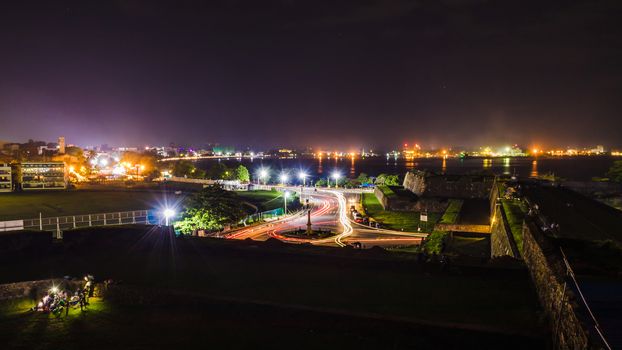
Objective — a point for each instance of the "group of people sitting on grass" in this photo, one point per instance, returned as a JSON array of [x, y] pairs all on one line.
[[57, 300]]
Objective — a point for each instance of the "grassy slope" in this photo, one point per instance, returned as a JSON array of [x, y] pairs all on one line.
[[268, 200], [451, 213], [515, 215], [387, 191], [29, 205], [409, 221]]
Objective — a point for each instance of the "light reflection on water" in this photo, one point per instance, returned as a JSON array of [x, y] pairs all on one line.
[[534, 169], [579, 168]]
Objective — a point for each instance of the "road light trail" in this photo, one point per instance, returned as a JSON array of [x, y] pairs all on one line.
[[280, 225], [343, 220]]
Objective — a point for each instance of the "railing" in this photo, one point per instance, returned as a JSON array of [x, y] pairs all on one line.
[[60, 223]]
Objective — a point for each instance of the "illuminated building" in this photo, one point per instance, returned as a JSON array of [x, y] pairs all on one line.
[[6, 185], [43, 176]]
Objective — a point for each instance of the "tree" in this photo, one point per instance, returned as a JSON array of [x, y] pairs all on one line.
[[321, 183], [615, 172], [364, 179], [197, 219], [183, 168], [217, 171], [146, 160], [347, 183], [388, 180], [380, 179], [392, 180], [242, 174], [226, 205], [211, 209]]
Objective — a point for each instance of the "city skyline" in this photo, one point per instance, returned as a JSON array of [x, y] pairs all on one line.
[[378, 73]]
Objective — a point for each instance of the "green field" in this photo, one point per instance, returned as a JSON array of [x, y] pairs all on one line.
[[28, 205], [267, 200], [396, 220]]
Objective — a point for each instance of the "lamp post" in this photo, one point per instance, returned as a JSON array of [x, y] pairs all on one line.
[[303, 176], [168, 214], [283, 178], [285, 195], [263, 175], [336, 176]]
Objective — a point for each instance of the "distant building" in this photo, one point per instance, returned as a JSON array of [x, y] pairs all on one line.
[[6, 184], [43, 176], [61, 145]]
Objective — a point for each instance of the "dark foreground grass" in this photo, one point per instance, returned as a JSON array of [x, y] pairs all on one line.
[[229, 325], [470, 246], [396, 220], [353, 281]]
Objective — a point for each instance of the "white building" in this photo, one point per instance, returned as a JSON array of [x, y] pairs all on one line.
[[43, 176]]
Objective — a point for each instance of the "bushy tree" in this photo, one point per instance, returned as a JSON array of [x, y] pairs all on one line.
[[615, 172], [379, 180], [183, 168], [321, 183], [197, 219], [211, 209], [364, 179], [392, 180], [218, 171], [242, 174], [387, 180]]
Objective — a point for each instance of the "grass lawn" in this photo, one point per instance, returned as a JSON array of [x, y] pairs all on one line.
[[451, 213], [434, 242], [515, 215], [265, 200], [28, 205], [408, 221], [386, 190]]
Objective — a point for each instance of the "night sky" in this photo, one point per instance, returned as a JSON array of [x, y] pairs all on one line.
[[334, 73]]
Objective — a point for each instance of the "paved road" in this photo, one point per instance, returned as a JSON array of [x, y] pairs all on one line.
[[330, 210]]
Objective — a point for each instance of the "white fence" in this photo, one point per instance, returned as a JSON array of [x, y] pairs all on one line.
[[60, 223]]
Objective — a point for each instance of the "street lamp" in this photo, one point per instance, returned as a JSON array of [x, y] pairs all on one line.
[[303, 176], [263, 175], [336, 176], [168, 214], [283, 178], [285, 196]]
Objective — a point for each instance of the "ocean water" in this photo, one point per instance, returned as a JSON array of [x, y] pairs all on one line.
[[570, 168]]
